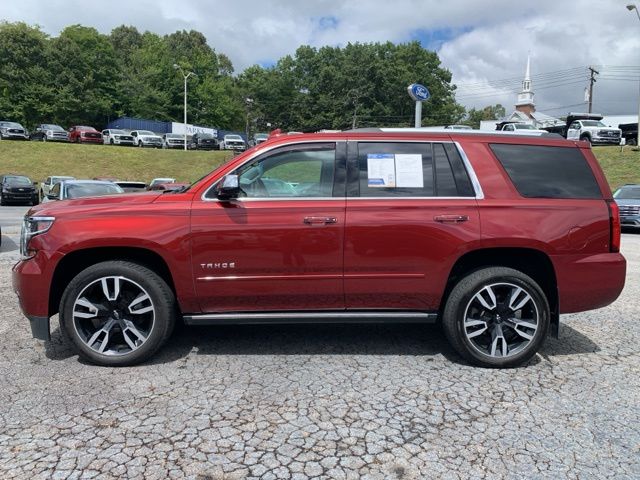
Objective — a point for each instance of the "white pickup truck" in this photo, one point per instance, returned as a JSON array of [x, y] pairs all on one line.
[[589, 127], [518, 128]]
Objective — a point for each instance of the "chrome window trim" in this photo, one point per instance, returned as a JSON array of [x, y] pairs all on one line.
[[479, 194]]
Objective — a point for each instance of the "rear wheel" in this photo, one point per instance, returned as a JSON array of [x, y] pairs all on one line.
[[496, 317], [117, 313]]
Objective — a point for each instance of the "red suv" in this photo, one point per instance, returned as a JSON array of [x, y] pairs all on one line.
[[493, 236], [82, 134]]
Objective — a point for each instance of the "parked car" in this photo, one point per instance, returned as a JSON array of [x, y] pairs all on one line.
[[49, 182], [589, 128], [172, 140], [628, 199], [159, 181], [519, 128], [114, 136], [629, 132], [205, 141], [146, 138], [70, 189], [170, 187], [492, 235], [13, 131], [259, 138], [84, 134], [48, 132], [233, 142], [131, 187], [17, 189]]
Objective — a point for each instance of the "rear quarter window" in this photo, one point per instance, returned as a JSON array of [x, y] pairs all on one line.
[[547, 172]]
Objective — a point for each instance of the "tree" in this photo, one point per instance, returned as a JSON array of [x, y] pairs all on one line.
[[27, 94], [492, 112], [358, 85]]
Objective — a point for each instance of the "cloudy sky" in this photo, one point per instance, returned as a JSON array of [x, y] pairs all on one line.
[[483, 43]]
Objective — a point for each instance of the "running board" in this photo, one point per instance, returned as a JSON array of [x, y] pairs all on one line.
[[250, 318]]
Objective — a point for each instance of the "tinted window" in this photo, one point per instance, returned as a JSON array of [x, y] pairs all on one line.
[[24, 181], [548, 172], [395, 169], [445, 182]]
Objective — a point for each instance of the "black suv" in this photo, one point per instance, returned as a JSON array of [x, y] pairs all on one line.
[[205, 141], [17, 189]]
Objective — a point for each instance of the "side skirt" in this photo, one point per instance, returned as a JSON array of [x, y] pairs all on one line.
[[252, 318]]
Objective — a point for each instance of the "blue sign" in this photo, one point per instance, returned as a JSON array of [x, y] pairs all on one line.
[[418, 92]]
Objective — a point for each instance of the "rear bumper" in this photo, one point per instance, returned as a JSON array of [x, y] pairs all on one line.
[[587, 282]]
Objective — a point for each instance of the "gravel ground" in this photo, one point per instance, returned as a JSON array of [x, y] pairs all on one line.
[[378, 402]]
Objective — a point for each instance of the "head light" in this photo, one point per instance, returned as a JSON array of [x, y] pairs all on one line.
[[31, 227]]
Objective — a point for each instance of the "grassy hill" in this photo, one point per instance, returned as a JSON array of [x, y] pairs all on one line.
[[39, 160]]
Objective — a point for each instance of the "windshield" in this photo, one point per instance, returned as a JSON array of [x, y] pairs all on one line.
[[77, 190], [175, 135], [233, 137], [55, 180], [592, 123], [55, 128], [16, 180], [523, 127], [145, 132], [261, 136], [205, 135], [628, 193], [10, 125], [118, 132], [157, 181]]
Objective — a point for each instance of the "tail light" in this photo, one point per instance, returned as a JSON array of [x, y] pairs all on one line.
[[614, 226]]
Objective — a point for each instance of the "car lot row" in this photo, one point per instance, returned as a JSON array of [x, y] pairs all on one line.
[[20, 189], [46, 132]]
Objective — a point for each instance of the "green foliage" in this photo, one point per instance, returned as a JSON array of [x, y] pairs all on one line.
[[358, 85], [85, 77], [492, 112]]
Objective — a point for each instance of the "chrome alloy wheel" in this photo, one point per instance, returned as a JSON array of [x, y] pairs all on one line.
[[500, 320], [113, 315]]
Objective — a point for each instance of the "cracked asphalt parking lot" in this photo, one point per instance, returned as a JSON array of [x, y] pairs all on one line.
[[378, 402]]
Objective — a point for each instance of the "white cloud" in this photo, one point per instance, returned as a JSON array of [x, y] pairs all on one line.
[[490, 40]]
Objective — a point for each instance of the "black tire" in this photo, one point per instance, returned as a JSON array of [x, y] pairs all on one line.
[[35, 201], [44, 138], [586, 138], [632, 142], [140, 144], [111, 141], [460, 306], [162, 301]]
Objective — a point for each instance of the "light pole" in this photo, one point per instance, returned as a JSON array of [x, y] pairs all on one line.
[[631, 7], [186, 76]]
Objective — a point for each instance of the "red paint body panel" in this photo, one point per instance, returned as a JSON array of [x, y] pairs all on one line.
[[379, 253], [397, 254]]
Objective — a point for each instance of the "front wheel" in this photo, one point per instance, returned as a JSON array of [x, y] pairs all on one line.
[[496, 317], [117, 313], [586, 138]]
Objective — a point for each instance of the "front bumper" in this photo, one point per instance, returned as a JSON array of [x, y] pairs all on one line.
[[19, 196], [91, 140], [605, 140], [31, 282], [14, 136], [630, 221]]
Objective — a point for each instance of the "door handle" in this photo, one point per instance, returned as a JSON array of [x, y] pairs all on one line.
[[451, 218], [320, 220]]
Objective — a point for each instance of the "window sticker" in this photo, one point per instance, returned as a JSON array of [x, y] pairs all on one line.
[[409, 170], [381, 170]]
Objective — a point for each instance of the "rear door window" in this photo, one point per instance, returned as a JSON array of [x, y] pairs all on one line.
[[547, 172]]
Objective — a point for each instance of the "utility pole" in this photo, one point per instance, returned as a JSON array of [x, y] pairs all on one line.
[[592, 80], [186, 77]]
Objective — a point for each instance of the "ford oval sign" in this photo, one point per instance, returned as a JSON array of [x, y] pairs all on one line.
[[418, 92]]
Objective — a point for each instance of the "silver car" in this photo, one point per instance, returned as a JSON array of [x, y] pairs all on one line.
[[69, 189]]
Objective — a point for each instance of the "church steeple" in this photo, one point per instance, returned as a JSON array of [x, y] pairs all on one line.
[[525, 97]]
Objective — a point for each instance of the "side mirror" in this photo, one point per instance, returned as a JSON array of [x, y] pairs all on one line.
[[228, 188]]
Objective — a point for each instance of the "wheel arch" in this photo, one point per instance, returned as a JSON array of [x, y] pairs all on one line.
[[532, 262], [73, 263]]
